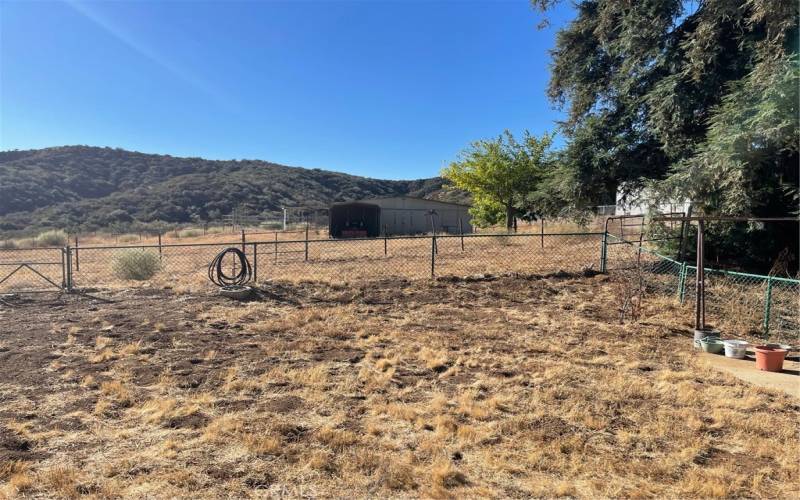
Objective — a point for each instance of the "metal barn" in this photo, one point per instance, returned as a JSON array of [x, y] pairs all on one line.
[[397, 216]]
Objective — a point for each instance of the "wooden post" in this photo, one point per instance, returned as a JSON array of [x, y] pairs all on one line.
[[243, 241], [700, 292], [684, 235], [77, 259]]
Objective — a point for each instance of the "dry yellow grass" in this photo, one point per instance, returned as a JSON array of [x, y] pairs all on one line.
[[507, 387]]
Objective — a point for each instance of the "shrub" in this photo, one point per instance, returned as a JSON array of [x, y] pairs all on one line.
[[128, 238], [53, 238], [136, 265], [189, 233], [26, 243], [504, 240], [214, 230], [8, 244]]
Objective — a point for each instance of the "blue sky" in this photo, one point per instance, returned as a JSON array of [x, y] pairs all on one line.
[[383, 89]]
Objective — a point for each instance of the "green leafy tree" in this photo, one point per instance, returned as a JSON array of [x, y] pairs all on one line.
[[697, 100], [500, 173]]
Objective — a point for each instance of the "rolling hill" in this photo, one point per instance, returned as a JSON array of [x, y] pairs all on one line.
[[87, 188]]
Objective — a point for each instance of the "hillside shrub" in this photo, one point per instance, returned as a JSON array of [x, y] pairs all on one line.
[[189, 233], [25, 243], [8, 244], [136, 265], [53, 238], [128, 238]]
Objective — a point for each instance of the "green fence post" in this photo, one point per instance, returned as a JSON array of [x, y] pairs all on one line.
[[767, 306]]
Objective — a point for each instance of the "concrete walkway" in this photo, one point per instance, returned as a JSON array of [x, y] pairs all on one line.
[[787, 381]]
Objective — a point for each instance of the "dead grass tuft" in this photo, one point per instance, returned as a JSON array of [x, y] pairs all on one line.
[[444, 476], [61, 480], [262, 445]]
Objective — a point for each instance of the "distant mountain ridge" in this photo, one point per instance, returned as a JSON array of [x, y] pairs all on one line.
[[85, 187]]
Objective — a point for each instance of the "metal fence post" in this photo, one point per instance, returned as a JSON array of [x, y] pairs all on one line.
[[461, 231], [682, 283], [63, 268], [276, 247], [767, 306], [603, 252], [244, 241], [385, 242], [255, 262], [306, 254], [542, 226], [69, 267], [433, 257], [159, 246], [77, 261]]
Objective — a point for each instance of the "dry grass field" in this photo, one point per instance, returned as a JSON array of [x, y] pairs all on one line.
[[509, 386]]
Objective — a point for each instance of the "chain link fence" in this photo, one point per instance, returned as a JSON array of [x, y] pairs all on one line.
[[736, 303], [409, 257]]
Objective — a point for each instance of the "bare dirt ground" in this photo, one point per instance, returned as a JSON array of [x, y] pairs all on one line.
[[509, 386]]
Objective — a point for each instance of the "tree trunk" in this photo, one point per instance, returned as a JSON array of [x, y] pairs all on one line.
[[684, 234], [509, 217]]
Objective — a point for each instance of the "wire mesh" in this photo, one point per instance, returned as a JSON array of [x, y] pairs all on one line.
[[736, 303], [31, 269], [739, 303]]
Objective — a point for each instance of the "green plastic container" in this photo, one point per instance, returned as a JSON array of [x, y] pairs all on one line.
[[712, 344]]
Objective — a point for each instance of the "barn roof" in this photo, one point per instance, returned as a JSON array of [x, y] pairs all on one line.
[[416, 198]]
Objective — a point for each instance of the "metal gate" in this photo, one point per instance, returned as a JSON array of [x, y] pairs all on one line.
[[30, 270]]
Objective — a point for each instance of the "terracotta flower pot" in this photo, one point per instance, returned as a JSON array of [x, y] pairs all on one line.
[[769, 358]]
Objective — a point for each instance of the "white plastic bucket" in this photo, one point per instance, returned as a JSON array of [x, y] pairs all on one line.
[[735, 348]]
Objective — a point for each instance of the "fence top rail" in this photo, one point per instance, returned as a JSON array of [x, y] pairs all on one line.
[[31, 263], [332, 240], [28, 249], [720, 271], [711, 218], [762, 277]]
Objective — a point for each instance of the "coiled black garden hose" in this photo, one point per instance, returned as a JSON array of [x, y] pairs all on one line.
[[241, 277]]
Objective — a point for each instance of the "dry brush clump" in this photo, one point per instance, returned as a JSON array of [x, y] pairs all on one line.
[[138, 265]]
